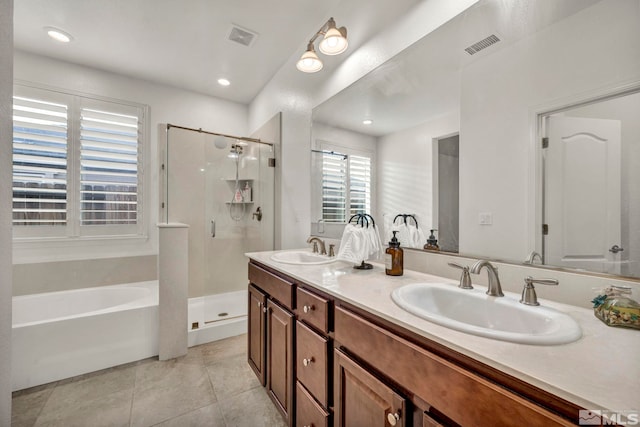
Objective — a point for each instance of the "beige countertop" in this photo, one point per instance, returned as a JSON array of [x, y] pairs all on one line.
[[599, 371]]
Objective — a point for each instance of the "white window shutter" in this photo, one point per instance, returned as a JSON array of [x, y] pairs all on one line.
[[334, 187], [108, 167], [40, 133]]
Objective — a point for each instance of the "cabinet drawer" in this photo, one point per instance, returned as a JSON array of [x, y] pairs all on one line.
[[313, 309], [308, 412], [459, 394], [277, 287], [312, 352]]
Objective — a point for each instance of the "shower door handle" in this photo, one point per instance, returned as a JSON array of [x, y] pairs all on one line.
[[213, 228]]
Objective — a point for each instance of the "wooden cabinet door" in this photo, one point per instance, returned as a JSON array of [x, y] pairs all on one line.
[[362, 400], [280, 373], [257, 330]]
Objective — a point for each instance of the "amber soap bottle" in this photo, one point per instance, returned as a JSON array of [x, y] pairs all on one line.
[[393, 258]]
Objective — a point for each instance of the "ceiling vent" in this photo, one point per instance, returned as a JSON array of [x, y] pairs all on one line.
[[482, 44], [242, 35]]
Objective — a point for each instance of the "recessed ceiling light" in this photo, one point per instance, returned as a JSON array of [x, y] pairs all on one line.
[[367, 122], [58, 35], [224, 82]]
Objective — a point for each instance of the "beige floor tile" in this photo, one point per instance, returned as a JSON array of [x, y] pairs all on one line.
[[168, 389], [89, 388], [209, 416], [111, 410], [232, 376], [169, 373], [251, 408], [223, 349], [27, 404]]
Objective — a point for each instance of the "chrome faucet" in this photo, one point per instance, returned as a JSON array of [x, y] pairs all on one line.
[[317, 241], [495, 290], [532, 256]]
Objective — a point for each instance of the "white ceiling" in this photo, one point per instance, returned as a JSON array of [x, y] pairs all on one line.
[[423, 81], [183, 43]]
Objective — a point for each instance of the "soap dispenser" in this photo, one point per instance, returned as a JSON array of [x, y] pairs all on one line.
[[393, 258], [432, 242]]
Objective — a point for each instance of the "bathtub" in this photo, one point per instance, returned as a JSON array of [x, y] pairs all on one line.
[[58, 335]]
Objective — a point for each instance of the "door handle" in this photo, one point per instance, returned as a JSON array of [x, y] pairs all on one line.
[[615, 249], [213, 228]]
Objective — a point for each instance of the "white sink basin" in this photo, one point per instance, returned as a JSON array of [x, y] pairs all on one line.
[[474, 312], [301, 258]]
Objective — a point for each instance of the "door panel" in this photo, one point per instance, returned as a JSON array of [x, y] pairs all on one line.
[[280, 358], [362, 400], [582, 192], [256, 336]]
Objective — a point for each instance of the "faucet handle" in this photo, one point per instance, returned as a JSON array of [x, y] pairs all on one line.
[[332, 250], [465, 279], [529, 296], [315, 247]]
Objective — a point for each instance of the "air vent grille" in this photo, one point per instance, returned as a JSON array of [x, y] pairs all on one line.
[[482, 44], [242, 35]]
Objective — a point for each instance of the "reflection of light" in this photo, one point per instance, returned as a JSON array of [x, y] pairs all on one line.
[[241, 143], [224, 82], [202, 170], [232, 156], [367, 122]]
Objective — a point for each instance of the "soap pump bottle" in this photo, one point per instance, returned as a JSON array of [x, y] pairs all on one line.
[[432, 242], [393, 261]]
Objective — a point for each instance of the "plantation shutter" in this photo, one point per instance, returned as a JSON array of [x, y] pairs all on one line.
[[109, 167], [334, 187], [40, 133], [359, 185]]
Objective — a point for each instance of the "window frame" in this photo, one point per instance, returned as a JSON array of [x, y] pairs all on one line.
[[348, 151], [73, 230]]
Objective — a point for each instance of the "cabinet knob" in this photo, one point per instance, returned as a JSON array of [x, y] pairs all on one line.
[[307, 362], [264, 309], [308, 308], [393, 418]]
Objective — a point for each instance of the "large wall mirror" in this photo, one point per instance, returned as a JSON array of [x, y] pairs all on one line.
[[454, 126]]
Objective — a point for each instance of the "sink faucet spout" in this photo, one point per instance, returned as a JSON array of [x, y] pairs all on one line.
[[317, 241], [495, 289]]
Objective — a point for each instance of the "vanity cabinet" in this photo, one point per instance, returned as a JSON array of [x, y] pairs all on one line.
[[313, 352], [364, 400], [461, 395], [270, 349], [326, 362]]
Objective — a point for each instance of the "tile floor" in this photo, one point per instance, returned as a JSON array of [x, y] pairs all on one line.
[[211, 386]]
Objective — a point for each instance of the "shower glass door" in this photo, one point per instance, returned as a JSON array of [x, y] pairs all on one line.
[[226, 217]]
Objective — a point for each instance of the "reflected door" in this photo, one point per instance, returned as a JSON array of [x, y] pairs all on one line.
[[582, 193]]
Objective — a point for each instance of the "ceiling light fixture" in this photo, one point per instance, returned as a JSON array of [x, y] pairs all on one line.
[[333, 43], [58, 35], [224, 82]]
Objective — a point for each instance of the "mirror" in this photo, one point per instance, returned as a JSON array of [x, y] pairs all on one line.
[[496, 75]]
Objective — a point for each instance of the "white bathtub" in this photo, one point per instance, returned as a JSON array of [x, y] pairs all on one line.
[[58, 335]]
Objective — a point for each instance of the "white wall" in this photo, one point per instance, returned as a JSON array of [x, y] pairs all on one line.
[[559, 63], [6, 142], [167, 105], [405, 178], [295, 94]]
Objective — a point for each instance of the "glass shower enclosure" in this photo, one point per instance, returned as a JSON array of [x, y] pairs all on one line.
[[223, 188]]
